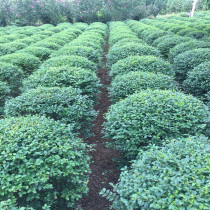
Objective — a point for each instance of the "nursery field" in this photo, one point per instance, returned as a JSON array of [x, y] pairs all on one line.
[[106, 116]]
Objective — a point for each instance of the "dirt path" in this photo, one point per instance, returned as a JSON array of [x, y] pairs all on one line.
[[103, 168]]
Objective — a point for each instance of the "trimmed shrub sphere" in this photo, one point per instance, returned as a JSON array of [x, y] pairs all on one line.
[[12, 75], [64, 76], [64, 104], [25, 61], [129, 49], [43, 165], [198, 80], [186, 61], [151, 116], [141, 63], [127, 84], [71, 61], [175, 176]]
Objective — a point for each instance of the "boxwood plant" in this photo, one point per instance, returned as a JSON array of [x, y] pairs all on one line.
[[65, 76], [43, 165], [148, 63], [175, 176], [150, 116], [185, 62], [64, 104], [127, 84]]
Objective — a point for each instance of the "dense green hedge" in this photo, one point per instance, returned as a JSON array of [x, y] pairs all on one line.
[[41, 52], [65, 76], [198, 80], [64, 104], [154, 35], [128, 49], [12, 75], [12, 47], [71, 61], [50, 45], [185, 62], [87, 52], [43, 165], [25, 61], [165, 45], [186, 46], [4, 93], [148, 63], [150, 116], [175, 176], [127, 84]]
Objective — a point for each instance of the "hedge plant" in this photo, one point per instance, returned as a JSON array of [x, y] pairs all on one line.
[[150, 116], [4, 94], [12, 47], [148, 63], [65, 76], [186, 46], [185, 62], [43, 165], [175, 176], [87, 52], [71, 61], [127, 84], [26, 61], [50, 45], [41, 52], [12, 75], [64, 104], [118, 53], [198, 80]]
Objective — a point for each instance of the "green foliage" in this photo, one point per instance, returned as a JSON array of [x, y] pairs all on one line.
[[196, 34], [47, 44], [64, 104], [71, 61], [12, 75], [43, 165], [25, 61], [118, 53], [12, 47], [141, 63], [198, 80], [65, 76], [153, 35], [186, 46], [87, 52], [41, 52], [127, 84], [165, 45], [151, 116], [185, 62], [4, 93], [175, 176]]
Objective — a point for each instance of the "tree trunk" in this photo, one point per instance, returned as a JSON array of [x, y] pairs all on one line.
[[193, 7]]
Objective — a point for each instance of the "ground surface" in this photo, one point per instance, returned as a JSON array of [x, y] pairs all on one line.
[[103, 168]]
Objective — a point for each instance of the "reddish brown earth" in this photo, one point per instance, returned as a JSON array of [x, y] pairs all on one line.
[[103, 168]]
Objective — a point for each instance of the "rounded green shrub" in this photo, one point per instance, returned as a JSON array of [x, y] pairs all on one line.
[[118, 53], [198, 80], [71, 61], [4, 94], [12, 47], [185, 62], [162, 38], [25, 61], [56, 40], [175, 176], [43, 165], [141, 63], [65, 76], [41, 52], [150, 116], [183, 32], [87, 52], [50, 45], [85, 43], [196, 34], [64, 104], [154, 35], [165, 45], [127, 84], [186, 46], [119, 36], [12, 75]]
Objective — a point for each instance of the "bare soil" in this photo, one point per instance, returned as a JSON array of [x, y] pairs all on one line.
[[103, 168]]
